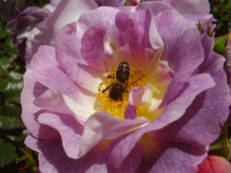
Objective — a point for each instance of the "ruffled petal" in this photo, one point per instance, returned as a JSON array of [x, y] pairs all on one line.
[[69, 56], [52, 100], [24, 29], [131, 164], [87, 60], [68, 128], [28, 18], [196, 7], [113, 3], [144, 96], [92, 47], [133, 31], [193, 10], [172, 112], [52, 5], [183, 50], [178, 158], [44, 69], [97, 34], [154, 36], [155, 7], [207, 107], [31, 90], [52, 158], [102, 126], [67, 12]]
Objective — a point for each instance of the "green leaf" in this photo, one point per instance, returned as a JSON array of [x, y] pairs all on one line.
[[10, 122], [10, 110], [3, 84], [7, 153], [11, 86], [220, 43], [4, 63], [3, 31]]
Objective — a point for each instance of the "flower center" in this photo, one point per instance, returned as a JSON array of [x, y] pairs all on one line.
[[117, 107], [115, 102]]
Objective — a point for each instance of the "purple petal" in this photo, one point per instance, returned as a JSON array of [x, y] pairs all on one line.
[[29, 17], [68, 43], [155, 7], [97, 31], [53, 101], [190, 9], [136, 94], [29, 109], [52, 5], [113, 3], [102, 126], [133, 30], [228, 58], [131, 164], [92, 47], [172, 112], [130, 112], [183, 50], [197, 126], [23, 25], [73, 57], [178, 158], [68, 55], [154, 36], [67, 12], [52, 158], [32, 142], [196, 84], [68, 128], [45, 69], [196, 7]]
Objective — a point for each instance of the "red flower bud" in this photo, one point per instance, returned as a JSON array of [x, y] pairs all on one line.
[[215, 164], [133, 3]]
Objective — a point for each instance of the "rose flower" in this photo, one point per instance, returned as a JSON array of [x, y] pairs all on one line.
[[128, 89]]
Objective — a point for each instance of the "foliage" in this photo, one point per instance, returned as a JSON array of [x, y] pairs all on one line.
[[7, 153], [13, 154], [221, 9], [220, 43]]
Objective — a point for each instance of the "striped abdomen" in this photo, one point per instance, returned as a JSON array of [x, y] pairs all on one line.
[[123, 72]]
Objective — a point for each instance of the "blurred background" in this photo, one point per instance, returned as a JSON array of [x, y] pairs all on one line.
[[15, 157]]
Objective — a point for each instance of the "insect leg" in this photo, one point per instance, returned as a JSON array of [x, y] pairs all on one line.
[[106, 88]]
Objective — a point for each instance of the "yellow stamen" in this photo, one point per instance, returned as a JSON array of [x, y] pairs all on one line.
[[117, 108]]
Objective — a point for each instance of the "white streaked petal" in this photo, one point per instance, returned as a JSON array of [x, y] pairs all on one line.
[[81, 111], [154, 36]]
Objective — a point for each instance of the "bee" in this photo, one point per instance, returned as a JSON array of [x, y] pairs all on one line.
[[119, 86]]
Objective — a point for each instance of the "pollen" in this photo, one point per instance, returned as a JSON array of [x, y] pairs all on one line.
[[157, 78], [117, 107]]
